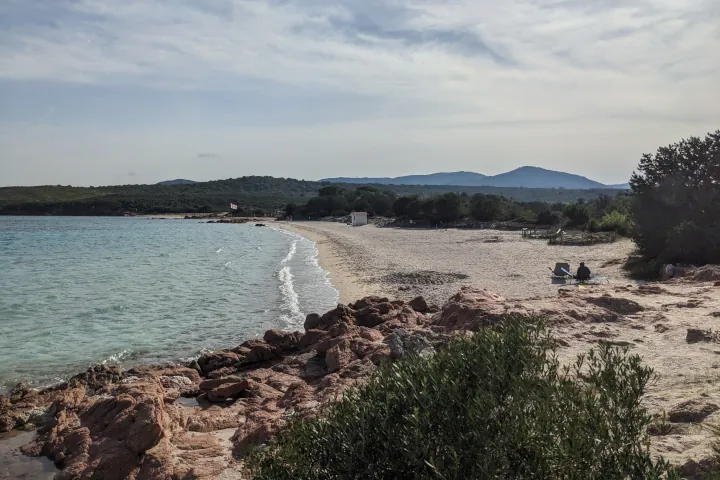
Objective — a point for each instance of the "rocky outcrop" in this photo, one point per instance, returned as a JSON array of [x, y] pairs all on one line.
[[198, 420]]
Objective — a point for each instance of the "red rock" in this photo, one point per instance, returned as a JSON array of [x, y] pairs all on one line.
[[368, 301], [362, 347], [312, 322], [339, 356], [217, 360], [310, 338], [229, 391], [258, 428], [283, 340], [419, 305], [207, 385], [260, 352], [381, 355], [370, 334]]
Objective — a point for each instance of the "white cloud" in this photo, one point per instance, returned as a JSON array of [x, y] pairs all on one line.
[[459, 65]]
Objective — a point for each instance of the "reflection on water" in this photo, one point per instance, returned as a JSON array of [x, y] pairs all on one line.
[[15, 465]]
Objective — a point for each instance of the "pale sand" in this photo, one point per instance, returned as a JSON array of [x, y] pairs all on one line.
[[370, 260], [405, 263]]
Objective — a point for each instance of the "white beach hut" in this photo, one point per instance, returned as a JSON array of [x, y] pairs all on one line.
[[358, 218]]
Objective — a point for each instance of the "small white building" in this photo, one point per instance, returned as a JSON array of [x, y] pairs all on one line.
[[358, 218]]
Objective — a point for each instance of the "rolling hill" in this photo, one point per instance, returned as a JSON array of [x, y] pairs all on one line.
[[523, 177], [177, 181]]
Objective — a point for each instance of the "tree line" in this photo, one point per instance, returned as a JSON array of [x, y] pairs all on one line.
[[602, 213]]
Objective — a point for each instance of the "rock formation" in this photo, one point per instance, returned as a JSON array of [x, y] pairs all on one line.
[[199, 419]]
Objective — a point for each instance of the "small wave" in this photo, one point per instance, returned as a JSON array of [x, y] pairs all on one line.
[[219, 250], [291, 253], [164, 255], [126, 354], [291, 302], [227, 265]]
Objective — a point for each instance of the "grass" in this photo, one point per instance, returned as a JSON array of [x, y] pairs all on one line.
[[496, 405]]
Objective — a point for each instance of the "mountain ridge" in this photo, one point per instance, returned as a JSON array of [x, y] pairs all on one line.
[[523, 177]]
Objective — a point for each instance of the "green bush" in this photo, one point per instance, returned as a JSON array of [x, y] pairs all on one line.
[[546, 217], [496, 405], [576, 214], [615, 222]]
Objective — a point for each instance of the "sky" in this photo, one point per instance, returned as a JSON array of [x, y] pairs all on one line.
[[100, 92]]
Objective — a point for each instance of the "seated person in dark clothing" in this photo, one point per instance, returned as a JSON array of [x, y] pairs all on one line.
[[583, 273]]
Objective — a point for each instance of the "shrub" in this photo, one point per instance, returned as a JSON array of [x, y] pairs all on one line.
[[615, 222], [546, 217], [577, 214], [497, 405]]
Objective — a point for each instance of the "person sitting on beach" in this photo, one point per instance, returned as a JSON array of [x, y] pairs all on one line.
[[583, 273]]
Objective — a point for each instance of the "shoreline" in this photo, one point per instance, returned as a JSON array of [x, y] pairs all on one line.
[[349, 286]]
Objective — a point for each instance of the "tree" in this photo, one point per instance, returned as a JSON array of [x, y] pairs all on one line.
[[399, 208], [331, 191], [448, 208], [577, 214], [290, 209], [486, 208], [546, 217], [676, 207]]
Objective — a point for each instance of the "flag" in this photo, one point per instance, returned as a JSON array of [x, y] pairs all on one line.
[[233, 206]]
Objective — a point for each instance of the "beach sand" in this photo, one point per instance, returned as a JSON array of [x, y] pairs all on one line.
[[437, 263], [404, 263]]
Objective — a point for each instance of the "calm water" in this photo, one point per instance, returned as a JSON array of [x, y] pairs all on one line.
[[78, 291]]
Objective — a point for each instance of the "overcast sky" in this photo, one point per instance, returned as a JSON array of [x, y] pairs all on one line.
[[128, 91]]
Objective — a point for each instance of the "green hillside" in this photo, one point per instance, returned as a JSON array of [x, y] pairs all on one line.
[[256, 195]]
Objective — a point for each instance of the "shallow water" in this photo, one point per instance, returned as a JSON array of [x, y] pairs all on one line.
[[14, 465], [78, 291]]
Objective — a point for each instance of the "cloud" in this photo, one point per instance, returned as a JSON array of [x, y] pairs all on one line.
[[520, 75], [209, 156], [461, 53]]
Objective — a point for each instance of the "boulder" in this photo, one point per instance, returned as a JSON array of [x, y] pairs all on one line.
[[310, 338], [708, 273], [260, 351], [217, 360], [691, 411], [207, 385], [281, 340], [229, 391], [371, 316], [312, 322], [368, 301], [339, 356], [370, 334], [402, 343], [419, 305], [695, 335]]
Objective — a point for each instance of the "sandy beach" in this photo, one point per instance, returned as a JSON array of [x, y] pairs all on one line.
[[404, 263]]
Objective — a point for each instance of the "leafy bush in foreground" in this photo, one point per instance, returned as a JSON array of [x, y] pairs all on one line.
[[497, 405]]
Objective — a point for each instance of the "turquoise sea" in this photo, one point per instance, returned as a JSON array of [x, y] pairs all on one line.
[[76, 291]]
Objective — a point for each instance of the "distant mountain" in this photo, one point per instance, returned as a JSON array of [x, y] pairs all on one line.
[[523, 177], [178, 181], [453, 178]]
